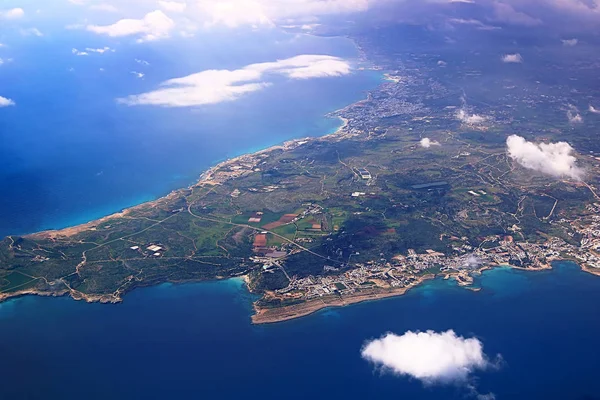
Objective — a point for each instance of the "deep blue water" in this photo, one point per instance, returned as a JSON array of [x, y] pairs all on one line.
[[196, 341], [69, 153]]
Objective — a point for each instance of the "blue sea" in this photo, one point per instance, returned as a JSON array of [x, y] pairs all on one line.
[[69, 153], [196, 341]]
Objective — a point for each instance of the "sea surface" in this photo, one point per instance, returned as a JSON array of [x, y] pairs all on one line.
[[196, 341], [70, 153]]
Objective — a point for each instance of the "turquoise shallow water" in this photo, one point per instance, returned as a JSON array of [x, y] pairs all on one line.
[[196, 340]]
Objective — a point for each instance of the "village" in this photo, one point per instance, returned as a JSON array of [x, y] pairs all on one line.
[[404, 271]]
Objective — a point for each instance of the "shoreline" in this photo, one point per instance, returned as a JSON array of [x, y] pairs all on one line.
[[274, 315], [203, 180], [264, 316], [308, 307]]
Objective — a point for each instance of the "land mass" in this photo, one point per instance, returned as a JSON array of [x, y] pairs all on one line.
[[366, 213]]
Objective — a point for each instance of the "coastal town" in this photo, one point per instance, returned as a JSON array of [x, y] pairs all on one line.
[[406, 271]]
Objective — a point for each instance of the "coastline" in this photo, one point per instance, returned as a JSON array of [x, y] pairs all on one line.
[[205, 179], [273, 315]]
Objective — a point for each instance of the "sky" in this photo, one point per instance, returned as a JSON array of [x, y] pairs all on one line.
[[101, 28], [153, 20], [149, 22]]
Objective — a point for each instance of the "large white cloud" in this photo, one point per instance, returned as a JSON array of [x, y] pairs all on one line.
[[431, 357], [154, 25], [13, 13], [234, 13], [554, 159], [4, 102], [216, 86]]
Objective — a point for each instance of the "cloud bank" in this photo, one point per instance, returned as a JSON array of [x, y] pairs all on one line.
[[430, 357], [555, 159], [234, 13], [193, 14], [594, 110], [4, 102], [567, 15], [216, 86]]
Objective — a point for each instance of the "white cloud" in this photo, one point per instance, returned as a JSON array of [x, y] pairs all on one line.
[[594, 110], [573, 115], [172, 6], [569, 42], [554, 159], [427, 143], [4, 102], [79, 53], [142, 62], [13, 13], [101, 50], [139, 75], [89, 50], [469, 119], [512, 58], [155, 25], [216, 86], [431, 357]]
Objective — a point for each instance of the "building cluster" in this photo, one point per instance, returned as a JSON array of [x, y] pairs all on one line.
[[406, 270], [389, 100], [589, 230]]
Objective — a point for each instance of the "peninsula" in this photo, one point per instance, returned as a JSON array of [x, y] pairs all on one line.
[[415, 185]]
